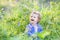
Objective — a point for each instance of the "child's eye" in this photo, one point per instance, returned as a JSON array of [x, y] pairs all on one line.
[[34, 17]]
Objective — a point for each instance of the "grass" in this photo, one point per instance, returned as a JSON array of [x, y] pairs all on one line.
[[15, 17]]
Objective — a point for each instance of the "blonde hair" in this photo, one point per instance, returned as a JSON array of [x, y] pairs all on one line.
[[37, 13]]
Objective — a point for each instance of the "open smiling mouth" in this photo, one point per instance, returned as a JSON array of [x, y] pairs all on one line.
[[32, 19]]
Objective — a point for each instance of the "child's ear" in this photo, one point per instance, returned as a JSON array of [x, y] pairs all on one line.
[[39, 20]]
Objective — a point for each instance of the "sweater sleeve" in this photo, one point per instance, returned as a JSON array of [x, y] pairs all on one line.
[[40, 29], [28, 30]]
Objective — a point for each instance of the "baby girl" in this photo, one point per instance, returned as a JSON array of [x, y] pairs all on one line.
[[34, 27]]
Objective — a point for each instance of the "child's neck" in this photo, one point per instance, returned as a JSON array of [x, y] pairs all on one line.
[[34, 24]]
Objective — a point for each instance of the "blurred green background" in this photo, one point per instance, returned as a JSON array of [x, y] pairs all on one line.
[[14, 16]]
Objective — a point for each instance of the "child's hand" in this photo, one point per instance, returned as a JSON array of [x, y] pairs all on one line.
[[34, 35]]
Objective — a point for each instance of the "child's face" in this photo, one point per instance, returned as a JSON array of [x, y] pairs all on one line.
[[33, 18]]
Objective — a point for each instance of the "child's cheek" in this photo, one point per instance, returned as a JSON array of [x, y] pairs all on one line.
[[36, 20]]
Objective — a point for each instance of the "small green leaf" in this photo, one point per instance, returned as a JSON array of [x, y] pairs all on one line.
[[43, 34]]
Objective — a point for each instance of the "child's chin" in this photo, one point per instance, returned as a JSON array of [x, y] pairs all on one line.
[[32, 22]]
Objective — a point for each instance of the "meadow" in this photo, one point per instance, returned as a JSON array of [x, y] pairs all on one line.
[[14, 16]]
